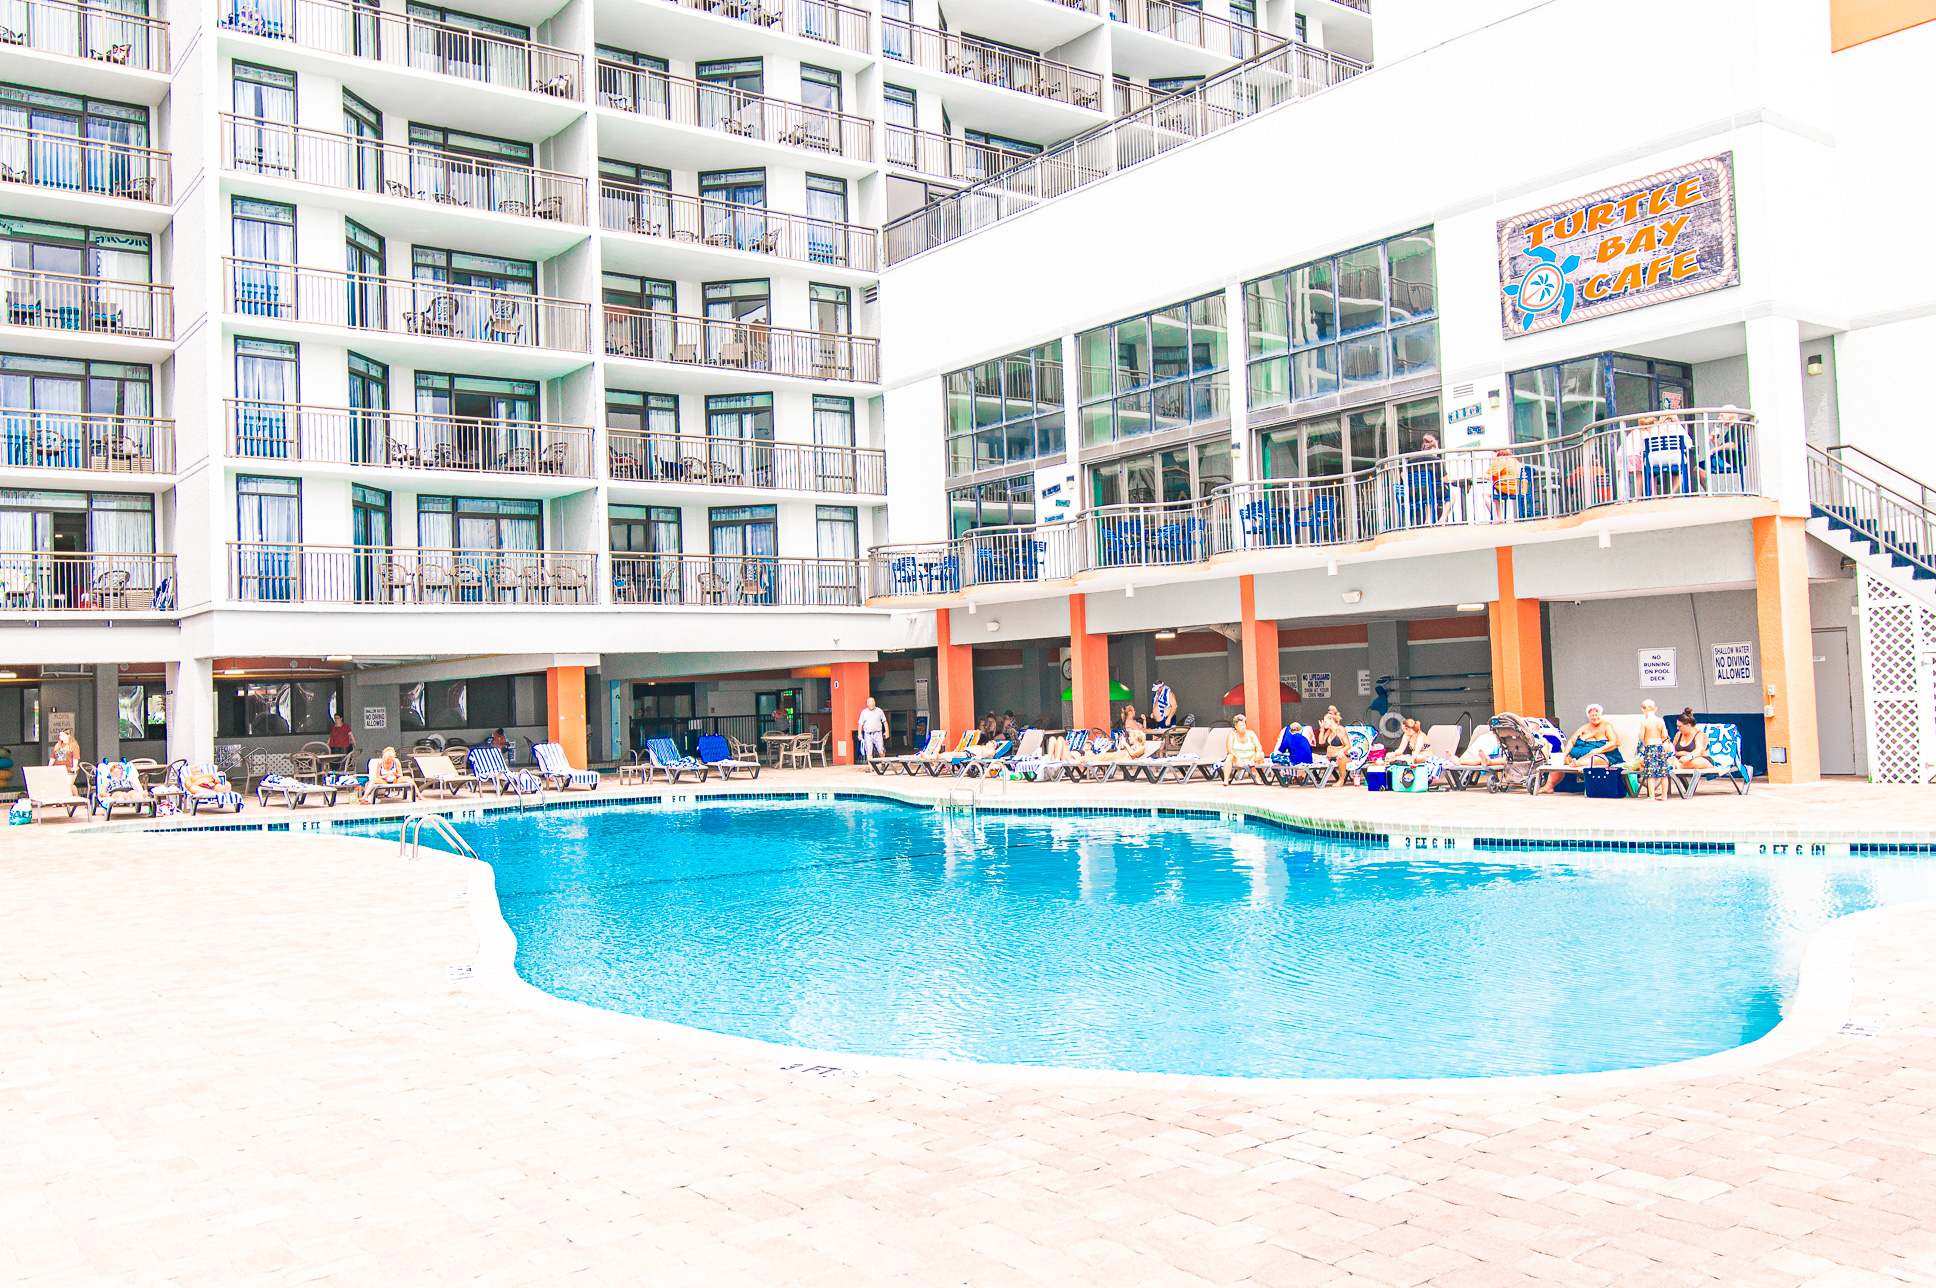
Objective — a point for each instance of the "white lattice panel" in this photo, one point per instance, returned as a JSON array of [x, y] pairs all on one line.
[[1899, 667]]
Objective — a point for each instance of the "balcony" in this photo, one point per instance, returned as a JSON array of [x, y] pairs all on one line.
[[332, 160], [740, 346], [94, 582], [94, 305], [943, 157], [1189, 25], [659, 96], [40, 439], [110, 37], [989, 64], [734, 581], [406, 440], [818, 20], [401, 40], [694, 221], [62, 163], [404, 306], [268, 573], [692, 460], [1635, 459]]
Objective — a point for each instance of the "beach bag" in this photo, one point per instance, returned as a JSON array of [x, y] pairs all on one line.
[[1603, 784], [21, 813], [1377, 780], [1411, 778]]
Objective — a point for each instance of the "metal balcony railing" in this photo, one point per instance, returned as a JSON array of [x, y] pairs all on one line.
[[1875, 502], [989, 64], [1192, 26], [405, 40], [747, 463], [42, 581], [276, 573], [735, 581], [819, 20], [1704, 452], [112, 36], [407, 306], [1282, 75], [58, 302], [654, 212], [943, 156], [42, 159], [740, 346], [411, 440], [38, 438], [664, 97], [333, 160]]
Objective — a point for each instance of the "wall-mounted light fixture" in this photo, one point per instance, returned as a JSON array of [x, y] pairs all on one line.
[[993, 626], [1353, 596], [1815, 364], [1129, 591], [1472, 608], [1167, 633]]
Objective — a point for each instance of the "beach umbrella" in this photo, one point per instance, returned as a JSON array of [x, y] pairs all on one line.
[[1118, 692], [1235, 698]]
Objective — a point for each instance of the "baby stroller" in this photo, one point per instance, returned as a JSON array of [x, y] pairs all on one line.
[[1526, 752]]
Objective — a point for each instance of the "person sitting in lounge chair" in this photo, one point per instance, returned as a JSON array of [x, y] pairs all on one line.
[[1594, 743], [1244, 751], [1690, 742], [385, 771], [1411, 744], [1331, 743]]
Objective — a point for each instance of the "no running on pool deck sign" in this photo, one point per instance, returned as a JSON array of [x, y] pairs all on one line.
[[1663, 237]]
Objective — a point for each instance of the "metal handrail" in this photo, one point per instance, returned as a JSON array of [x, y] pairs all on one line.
[[65, 302], [655, 212], [410, 835], [1192, 26], [404, 439], [272, 572], [824, 21], [916, 150], [1876, 468], [43, 438], [44, 159], [642, 456], [747, 346], [94, 32], [1903, 526], [646, 91], [1024, 71]]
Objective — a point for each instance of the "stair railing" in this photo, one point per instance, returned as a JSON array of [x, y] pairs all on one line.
[[1901, 526]]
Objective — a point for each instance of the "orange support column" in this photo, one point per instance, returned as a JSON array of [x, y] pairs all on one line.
[[1787, 648], [565, 711], [1518, 655], [954, 681], [1263, 706], [850, 683], [1088, 669]]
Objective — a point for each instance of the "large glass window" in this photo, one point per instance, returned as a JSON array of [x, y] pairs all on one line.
[[265, 396], [1344, 324], [996, 503], [100, 168], [41, 399], [1162, 371], [1005, 412], [1185, 472], [1355, 440], [264, 238], [1553, 401], [272, 709]]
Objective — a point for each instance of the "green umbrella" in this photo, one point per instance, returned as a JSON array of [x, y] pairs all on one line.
[[1118, 692]]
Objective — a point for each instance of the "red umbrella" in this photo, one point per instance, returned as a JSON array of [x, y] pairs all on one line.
[[1285, 693]]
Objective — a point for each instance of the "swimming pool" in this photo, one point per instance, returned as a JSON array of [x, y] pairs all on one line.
[[1170, 945]]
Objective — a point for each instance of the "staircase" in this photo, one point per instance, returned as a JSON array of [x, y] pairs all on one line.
[[1876, 515]]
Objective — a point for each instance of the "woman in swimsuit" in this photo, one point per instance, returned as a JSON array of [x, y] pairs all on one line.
[[1411, 744], [1596, 741], [1690, 742], [1655, 756], [1244, 748], [1332, 744]]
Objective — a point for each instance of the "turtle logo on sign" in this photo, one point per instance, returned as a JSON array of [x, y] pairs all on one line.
[[1544, 287]]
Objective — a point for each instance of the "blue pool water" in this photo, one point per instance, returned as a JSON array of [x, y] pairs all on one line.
[[1161, 945]]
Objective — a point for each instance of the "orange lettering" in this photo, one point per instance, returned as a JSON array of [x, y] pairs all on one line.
[[1660, 200], [1537, 233], [1611, 248], [1686, 264], [1689, 192], [1670, 230], [1594, 287], [1598, 217], [1630, 207], [1630, 278], [1644, 240]]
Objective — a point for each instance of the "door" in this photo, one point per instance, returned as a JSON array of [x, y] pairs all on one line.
[[1834, 701], [370, 530]]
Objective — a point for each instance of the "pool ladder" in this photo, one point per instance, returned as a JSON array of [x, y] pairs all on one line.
[[411, 837]]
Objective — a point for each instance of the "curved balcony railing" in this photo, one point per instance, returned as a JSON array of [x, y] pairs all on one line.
[[42, 159], [94, 32], [332, 160], [1702, 452], [406, 40], [1192, 26], [735, 581], [1282, 75], [643, 91], [654, 212], [407, 306], [396, 439], [41, 581], [819, 20], [989, 64], [38, 438], [103, 306], [740, 346], [278, 573], [747, 463], [944, 156]]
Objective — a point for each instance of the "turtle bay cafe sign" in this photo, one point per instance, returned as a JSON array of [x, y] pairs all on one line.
[[1664, 237]]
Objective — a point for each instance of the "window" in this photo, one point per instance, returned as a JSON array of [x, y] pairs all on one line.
[[1186, 472], [364, 124], [263, 100], [1553, 401], [820, 87], [1005, 412], [729, 94], [44, 395], [485, 524], [896, 41], [365, 261], [646, 542], [268, 532], [264, 234], [645, 529], [836, 578], [633, 82], [43, 254], [143, 712], [995, 504], [744, 301], [900, 106], [474, 272], [475, 170], [1356, 440], [1162, 371], [1344, 325], [486, 702], [19, 714], [743, 531], [827, 215], [627, 291], [72, 116], [630, 412], [468, 418], [266, 395], [369, 399], [268, 710], [831, 308], [741, 429]]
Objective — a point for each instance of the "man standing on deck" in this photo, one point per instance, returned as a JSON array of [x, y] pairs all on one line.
[[872, 727]]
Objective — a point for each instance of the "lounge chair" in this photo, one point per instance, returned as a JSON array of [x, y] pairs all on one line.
[[1028, 747], [52, 787], [1460, 776], [555, 769], [1263, 771], [116, 786], [1155, 769], [402, 789], [714, 751], [294, 791], [220, 796], [937, 739], [947, 759], [971, 763], [1048, 764], [437, 774], [1359, 740], [664, 758], [492, 770], [1724, 750], [987, 759], [1216, 745], [1295, 761]]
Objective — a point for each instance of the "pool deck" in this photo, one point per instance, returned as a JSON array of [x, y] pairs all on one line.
[[264, 1059]]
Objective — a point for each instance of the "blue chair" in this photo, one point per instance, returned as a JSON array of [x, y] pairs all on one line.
[[715, 751], [494, 771], [1726, 764], [1319, 519], [664, 758]]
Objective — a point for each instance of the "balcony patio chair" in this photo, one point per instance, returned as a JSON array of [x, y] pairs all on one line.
[[395, 189], [435, 318], [554, 768], [47, 446], [555, 458], [567, 583], [529, 584], [16, 588], [139, 189], [711, 586], [732, 353], [110, 590], [513, 206], [398, 452], [558, 86], [8, 36], [755, 582], [645, 227], [435, 577], [123, 452], [394, 582], [685, 353], [768, 243], [548, 208], [505, 323], [517, 460], [116, 54]]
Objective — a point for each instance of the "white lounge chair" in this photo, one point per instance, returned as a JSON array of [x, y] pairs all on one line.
[[294, 792], [1156, 768], [937, 739], [116, 786], [495, 772], [554, 768], [664, 757], [439, 775], [52, 787]]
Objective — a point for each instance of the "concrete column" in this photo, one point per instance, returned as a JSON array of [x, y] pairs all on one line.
[[1787, 648], [1043, 688], [954, 680], [565, 711], [1518, 653], [1089, 665], [1775, 397], [107, 712], [1263, 706], [191, 710], [850, 685], [1386, 653]]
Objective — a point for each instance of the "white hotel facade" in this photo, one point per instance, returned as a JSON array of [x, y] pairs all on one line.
[[640, 366]]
